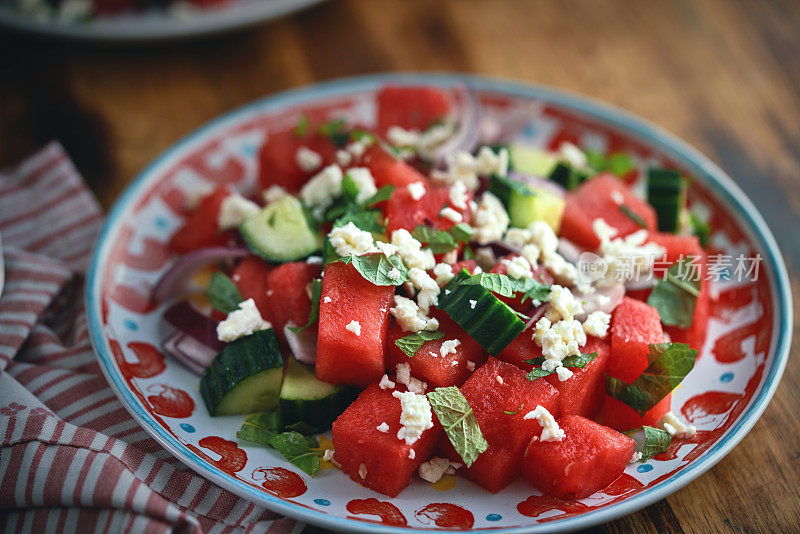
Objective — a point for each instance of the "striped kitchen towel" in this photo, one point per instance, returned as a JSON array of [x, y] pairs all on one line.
[[71, 458]]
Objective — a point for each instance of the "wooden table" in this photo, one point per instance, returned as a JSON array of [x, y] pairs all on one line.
[[724, 76]]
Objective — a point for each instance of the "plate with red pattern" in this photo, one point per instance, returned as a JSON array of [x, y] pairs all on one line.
[[735, 376]]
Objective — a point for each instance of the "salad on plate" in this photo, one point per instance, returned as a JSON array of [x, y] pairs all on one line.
[[431, 300]]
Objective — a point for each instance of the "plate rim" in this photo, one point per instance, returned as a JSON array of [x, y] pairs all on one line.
[[712, 176]]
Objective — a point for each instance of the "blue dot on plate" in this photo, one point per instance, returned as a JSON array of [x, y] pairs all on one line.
[[161, 222], [494, 517], [644, 468], [727, 377], [187, 427], [322, 502], [130, 325]]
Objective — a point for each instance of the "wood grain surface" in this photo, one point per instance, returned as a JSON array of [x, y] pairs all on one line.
[[723, 75]]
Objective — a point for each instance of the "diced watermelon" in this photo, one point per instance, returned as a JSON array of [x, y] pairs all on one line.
[[343, 356], [507, 433], [470, 265], [388, 170], [677, 246], [358, 442], [522, 348], [201, 230], [589, 458], [428, 364], [250, 276], [287, 294], [583, 393], [278, 164], [412, 108], [634, 326], [402, 211], [596, 198]]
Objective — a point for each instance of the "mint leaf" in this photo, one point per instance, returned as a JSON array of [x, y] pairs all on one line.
[[670, 363], [531, 289], [308, 431], [367, 220], [494, 282], [222, 293], [650, 441], [441, 241], [295, 448], [260, 428], [507, 412], [577, 360], [316, 292], [620, 164], [376, 268], [335, 130], [412, 343], [675, 297], [460, 424], [700, 229], [381, 195], [632, 215], [302, 126]]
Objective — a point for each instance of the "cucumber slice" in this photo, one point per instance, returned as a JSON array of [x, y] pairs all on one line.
[[282, 232], [568, 176], [526, 204], [666, 192], [487, 319], [531, 160], [245, 377], [304, 399]]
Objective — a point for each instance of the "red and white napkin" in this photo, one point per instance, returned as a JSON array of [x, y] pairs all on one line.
[[71, 457]]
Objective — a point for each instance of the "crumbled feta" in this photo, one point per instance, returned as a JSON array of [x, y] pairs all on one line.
[[386, 383], [411, 454], [307, 159], [394, 274], [637, 457], [596, 324], [362, 471], [573, 155], [559, 340], [617, 197], [350, 239], [443, 273], [362, 177], [314, 260], [234, 209], [563, 304], [273, 193], [411, 251], [328, 455], [401, 137], [563, 373], [531, 253], [327, 299], [490, 221], [435, 468], [428, 288], [518, 267], [458, 195], [416, 190], [357, 148], [344, 158], [403, 376], [383, 427], [470, 366], [416, 416], [499, 379], [451, 215], [485, 257], [410, 317], [449, 347], [318, 193], [473, 303], [464, 167], [550, 429], [675, 427], [354, 327], [241, 322], [627, 257]]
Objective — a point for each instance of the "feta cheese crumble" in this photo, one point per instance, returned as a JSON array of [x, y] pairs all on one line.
[[490, 220], [464, 167], [637, 457], [596, 324], [451, 215], [403, 376], [318, 193], [416, 416], [458, 195], [433, 470], [386, 383], [550, 429], [416, 190], [328, 455], [411, 454], [411, 251], [327, 300], [350, 239], [627, 257], [410, 317], [273, 193], [362, 177], [383, 427], [307, 159], [428, 288], [354, 327], [518, 267], [241, 322], [443, 273], [470, 366], [449, 347], [234, 209], [675, 427]]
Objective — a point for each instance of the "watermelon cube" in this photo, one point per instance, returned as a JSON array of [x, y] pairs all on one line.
[[388, 170], [428, 364], [589, 458], [201, 229], [500, 396], [385, 461], [412, 108], [250, 276], [622, 417], [353, 321], [403, 211], [277, 162], [598, 198], [583, 393], [287, 294]]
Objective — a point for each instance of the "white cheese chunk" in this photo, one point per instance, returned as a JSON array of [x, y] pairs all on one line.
[[416, 190], [350, 239], [428, 294], [490, 220], [434, 469], [676, 427], [449, 347], [411, 251], [320, 191], [416, 416], [451, 215], [273, 193], [386, 383], [354, 327], [410, 317], [403, 376], [596, 324], [550, 429], [241, 322], [383, 427], [362, 177], [234, 209], [443, 273], [307, 159]]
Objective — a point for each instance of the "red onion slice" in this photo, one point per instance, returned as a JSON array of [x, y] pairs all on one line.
[[503, 129], [187, 319], [173, 283], [467, 138], [538, 313], [190, 352], [303, 344]]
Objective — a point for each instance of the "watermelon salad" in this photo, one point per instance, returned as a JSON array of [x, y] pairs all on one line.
[[442, 301]]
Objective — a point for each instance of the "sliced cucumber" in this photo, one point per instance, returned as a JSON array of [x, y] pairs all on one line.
[[526, 204], [304, 399], [245, 377], [666, 192], [487, 319], [282, 232], [568, 176], [531, 160]]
